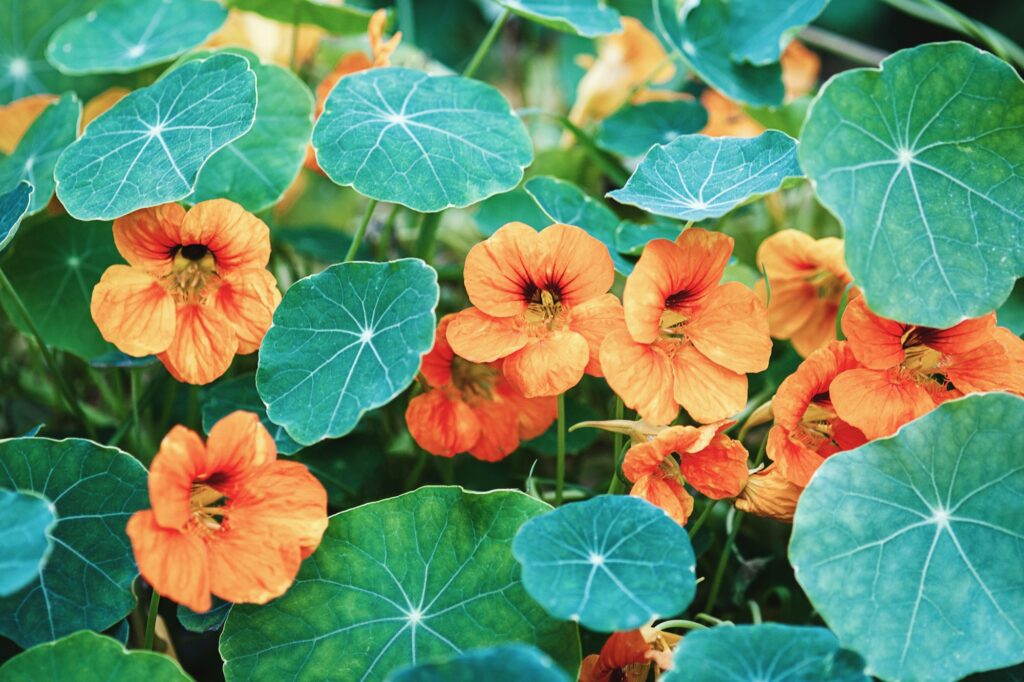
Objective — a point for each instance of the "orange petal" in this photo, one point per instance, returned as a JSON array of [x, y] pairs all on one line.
[[795, 461], [876, 341], [441, 423], [238, 239], [149, 237], [248, 567], [497, 270], [182, 459], [549, 365], [499, 431], [237, 445], [878, 402], [133, 311], [706, 390], [99, 104], [989, 367], [810, 380], [790, 305], [535, 414], [594, 320], [818, 329], [962, 337], [731, 329], [437, 364], [666, 493], [800, 67], [768, 493], [248, 299], [623, 649], [641, 374], [203, 347], [17, 117], [478, 337], [380, 48], [284, 500], [173, 562], [727, 118], [719, 470], [575, 263], [645, 458]]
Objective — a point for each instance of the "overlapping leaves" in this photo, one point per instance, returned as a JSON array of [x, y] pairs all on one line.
[[26, 519]]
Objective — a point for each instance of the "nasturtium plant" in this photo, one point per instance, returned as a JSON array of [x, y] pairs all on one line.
[[517, 205], [413, 579], [25, 544], [13, 207], [926, 182], [631, 237], [426, 142], [90, 657], [696, 177], [588, 18], [227, 396], [900, 538], [207, 621], [610, 563], [759, 30], [504, 663], [361, 329], [148, 148], [128, 35], [634, 129], [86, 583], [769, 652], [36, 155]]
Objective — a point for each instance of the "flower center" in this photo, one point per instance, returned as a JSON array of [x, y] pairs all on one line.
[[830, 287], [473, 379], [816, 424], [208, 507], [194, 264], [544, 306]]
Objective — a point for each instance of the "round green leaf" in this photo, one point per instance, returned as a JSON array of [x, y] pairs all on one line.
[[515, 206], [566, 203], [336, 17], [204, 622], [345, 341], [257, 168], [417, 578], [632, 237], [698, 34], [611, 563], [764, 653], [697, 177], [26, 520], [426, 142], [905, 544], [13, 207], [759, 30], [89, 657], [590, 18], [634, 129], [87, 583], [504, 663], [54, 267], [149, 147], [228, 395], [923, 162], [128, 35], [37, 152]]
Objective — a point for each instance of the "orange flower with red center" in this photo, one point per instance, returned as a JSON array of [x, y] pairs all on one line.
[[540, 304], [627, 656], [470, 407], [908, 370], [689, 340], [807, 277], [227, 516], [807, 429], [195, 290]]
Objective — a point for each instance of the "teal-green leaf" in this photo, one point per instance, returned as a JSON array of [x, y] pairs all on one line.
[[87, 583], [631, 237], [923, 162], [335, 17], [566, 203], [13, 207], [148, 148], [36, 154], [611, 563], [204, 622], [904, 545], [589, 18], [90, 657], [127, 35], [769, 652], [697, 177], [759, 30], [634, 129], [413, 579], [698, 34], [26, 519], [426, 142], [54, 266], [256, 169], [239, 393], [501, 209], [503, 663], [345, 341]]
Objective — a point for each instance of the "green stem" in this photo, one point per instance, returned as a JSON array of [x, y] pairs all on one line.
[[560, 463], [612, 169], [44, 351], [293, 58], [407, 20], [702, 518], [386, 232], [761, 449], [413, 479], [192, 413], [620, 413], [133, 380], [680, 625], [723, 561], [357, 240], [426, 240], [842, 46], [488, 42], [154, 604]]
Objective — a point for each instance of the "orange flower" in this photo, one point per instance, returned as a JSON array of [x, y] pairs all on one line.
[[271, 40], [769, 493], [228, 517], [101, 103], [540, 304], [195, 290], [908, 370], [808, 277], [710, 461], [470, 407], [689, 340], [627, 656], [18, 116]]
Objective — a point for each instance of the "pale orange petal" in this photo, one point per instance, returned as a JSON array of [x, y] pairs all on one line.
[[248, 299], [181, 459], [876, 341], [768, 493], [497, 271], [878, 402], [99, 104], [719, 470], [203, 347], [641, 374], [238, 239], [237, 445], [478, 337], [731, 329], [572, 262], [594, 320], [549, 365], [284, 500], [248, 567], [818, 329], [18, 116], [666, 493], [133, 311], [174, 563], [705, 389]]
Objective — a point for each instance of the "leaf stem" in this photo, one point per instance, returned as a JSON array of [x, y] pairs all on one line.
[[133, 382], [618, 485], [44, 351], [736, 517], [357, 240], [841, 45], [154, 604], [612, 168], [560, 463], [384, 241], [680, 624], [704, 515], [487, 43], [426, 240], [620, 410]]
